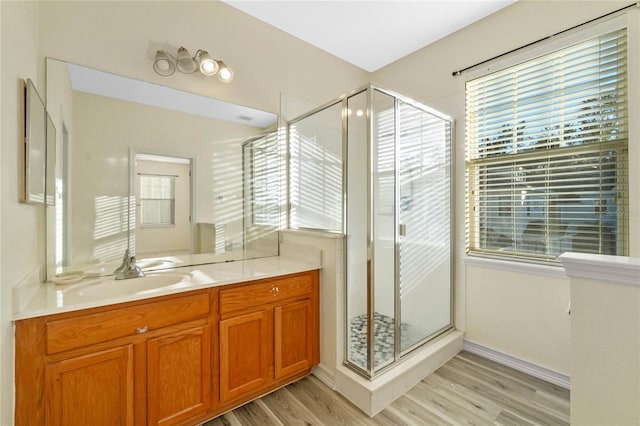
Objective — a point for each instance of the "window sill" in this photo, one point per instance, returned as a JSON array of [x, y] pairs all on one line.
[[516, 267]]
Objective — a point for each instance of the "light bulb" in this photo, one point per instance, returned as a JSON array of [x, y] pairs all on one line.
[[225, 75], [206, 64], [163, 65]]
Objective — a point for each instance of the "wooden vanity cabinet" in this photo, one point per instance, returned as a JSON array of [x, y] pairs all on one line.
[[134, 364], [178, 375], [177, 359], [96, 388], [269, 334]]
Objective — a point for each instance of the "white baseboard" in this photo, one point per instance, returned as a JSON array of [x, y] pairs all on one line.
[[534, 370], [325, 376]]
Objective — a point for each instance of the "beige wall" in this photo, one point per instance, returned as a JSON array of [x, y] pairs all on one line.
[[521, 314], [21, 225], [116, 37], [605, 352], [104, 131]]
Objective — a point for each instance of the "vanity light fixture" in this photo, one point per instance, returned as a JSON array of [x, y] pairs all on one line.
[[165, 64], [226, 74]]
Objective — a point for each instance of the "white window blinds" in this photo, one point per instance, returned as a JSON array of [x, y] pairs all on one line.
[[262, 189], [315, 170], [547, 164], [157, 200]]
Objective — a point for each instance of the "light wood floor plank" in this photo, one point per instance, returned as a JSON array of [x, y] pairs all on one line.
[[289, 409], [408, 412], [500, 382], [512, 402], [443, 408], [460, 409], [464, 395], [254, 414], [468, 390], [328, 406], [507, 418], [543, 401], [497, 368]]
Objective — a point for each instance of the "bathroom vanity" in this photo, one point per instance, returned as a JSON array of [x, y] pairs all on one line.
[[181, 353]]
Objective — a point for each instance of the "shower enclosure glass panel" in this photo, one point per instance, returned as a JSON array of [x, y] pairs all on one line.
[[424, 217], [389, 159], [358, 262], [315, 170], [383, 212], [397, 226]]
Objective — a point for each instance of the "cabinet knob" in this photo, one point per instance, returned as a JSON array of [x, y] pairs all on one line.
[[275, 290], [141, 330]]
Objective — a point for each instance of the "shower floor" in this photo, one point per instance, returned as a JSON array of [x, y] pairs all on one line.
[[383, 331]]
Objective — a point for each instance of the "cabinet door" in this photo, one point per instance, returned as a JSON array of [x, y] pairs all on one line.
[[293, 338], [178, 375], [94, 389], [246, 354]]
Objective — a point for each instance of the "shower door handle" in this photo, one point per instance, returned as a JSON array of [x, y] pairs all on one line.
[[403, 230]]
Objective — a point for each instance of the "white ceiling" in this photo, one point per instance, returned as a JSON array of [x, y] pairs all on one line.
[[369, 33]]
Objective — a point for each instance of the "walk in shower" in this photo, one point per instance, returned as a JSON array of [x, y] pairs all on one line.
[[398, 228], [386, 165]]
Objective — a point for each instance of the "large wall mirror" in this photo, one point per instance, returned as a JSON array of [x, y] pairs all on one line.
[[177, 178]]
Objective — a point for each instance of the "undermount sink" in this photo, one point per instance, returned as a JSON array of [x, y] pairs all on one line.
[[109, 287]]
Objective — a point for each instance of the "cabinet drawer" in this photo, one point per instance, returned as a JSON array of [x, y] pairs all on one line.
[[83, 330], [257, 295]]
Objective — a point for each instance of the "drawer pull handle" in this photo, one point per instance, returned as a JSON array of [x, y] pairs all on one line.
[[141, 330], [275, 290]]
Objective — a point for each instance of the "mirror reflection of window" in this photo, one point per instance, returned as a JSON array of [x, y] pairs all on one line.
[[163, 205], [262, 181], [157, 200]]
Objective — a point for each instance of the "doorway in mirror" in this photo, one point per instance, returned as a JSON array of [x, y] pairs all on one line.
[[163, 205]]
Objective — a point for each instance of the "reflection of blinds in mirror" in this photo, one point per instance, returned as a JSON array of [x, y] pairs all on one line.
[[157, 200], [265, 184]]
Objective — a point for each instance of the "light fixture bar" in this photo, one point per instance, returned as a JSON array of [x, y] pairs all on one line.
[[165, 64]]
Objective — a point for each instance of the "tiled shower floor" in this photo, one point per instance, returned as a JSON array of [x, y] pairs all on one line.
[[383, 330]]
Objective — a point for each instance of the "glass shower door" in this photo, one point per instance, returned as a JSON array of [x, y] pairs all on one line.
[[424, 219]]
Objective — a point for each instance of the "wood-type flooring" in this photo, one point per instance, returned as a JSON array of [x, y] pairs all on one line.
[[467, 390]]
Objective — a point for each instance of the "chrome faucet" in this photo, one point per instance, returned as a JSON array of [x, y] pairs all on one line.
[[128, 268]]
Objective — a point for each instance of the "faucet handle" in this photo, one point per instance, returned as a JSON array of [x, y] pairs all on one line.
[[126, 262]]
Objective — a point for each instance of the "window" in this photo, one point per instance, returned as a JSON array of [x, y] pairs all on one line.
[[546, 156], [262, 181], [157, 200]]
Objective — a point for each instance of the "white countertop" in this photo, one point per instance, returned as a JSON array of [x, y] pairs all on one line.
[[52, 298]]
